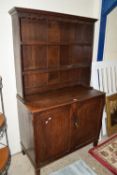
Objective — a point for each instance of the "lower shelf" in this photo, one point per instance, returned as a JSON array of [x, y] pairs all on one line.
[[4, 159]]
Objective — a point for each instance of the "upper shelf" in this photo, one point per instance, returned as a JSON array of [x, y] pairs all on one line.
[[29, 43]]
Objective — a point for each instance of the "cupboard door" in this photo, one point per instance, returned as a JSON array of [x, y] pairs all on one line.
[[86, 121], [52, 133]]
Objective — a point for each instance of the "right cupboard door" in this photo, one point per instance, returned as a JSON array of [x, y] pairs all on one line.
[[86, 121]]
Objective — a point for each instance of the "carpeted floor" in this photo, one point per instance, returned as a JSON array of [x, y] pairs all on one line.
[[21, 165], [106, 153]]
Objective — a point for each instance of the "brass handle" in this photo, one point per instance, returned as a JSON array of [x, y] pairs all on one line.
[[75, 120], [49, 118], [76, 124]]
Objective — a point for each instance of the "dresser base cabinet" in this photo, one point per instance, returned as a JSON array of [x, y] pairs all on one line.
[[54, 131]]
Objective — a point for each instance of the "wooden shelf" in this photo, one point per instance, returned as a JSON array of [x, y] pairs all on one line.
[[54, 69], [31, 43], [4, 158], [2, 120]]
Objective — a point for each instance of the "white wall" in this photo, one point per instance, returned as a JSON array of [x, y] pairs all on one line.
[[77, 7], [110, 49]]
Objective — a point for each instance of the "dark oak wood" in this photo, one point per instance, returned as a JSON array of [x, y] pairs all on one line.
[[53, 49], [58, 110], [86, 121]]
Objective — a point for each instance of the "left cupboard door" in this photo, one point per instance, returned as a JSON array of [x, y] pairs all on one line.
[[52, 133]]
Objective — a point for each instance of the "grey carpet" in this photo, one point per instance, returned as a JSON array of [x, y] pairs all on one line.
[[76, 168]]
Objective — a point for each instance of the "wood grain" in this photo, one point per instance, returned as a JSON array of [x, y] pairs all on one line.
[[58, 110], [47, 47]]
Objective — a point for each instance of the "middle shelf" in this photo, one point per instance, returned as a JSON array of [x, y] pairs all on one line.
[[54, 69]]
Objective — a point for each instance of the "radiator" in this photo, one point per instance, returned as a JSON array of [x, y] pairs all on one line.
[[104, 78]]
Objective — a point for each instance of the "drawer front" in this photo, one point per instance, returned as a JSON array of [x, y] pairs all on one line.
[[52, 135], [86, 121]]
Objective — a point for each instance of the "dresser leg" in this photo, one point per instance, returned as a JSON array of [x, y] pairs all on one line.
[[23, 152], [37, 172], [95, 143]]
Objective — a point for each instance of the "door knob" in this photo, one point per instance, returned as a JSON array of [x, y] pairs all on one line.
[[75, 120], [76, 124]]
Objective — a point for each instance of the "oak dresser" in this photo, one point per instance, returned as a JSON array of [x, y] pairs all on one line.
[[58, 110]]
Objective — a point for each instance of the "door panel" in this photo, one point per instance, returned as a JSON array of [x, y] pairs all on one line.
[[51, 129], [86, 121]]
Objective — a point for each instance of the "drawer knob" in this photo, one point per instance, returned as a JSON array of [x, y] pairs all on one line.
[[50, 118], [75, 120], [46, 122]]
